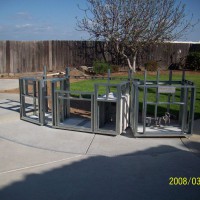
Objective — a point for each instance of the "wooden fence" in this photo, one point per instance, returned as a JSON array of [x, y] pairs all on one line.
[[22, 56]]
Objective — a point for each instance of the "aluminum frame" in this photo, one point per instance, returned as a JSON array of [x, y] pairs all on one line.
[[36, 96], [62, 110], [42, 114], [186, 106], [122, 102], [125, 103]]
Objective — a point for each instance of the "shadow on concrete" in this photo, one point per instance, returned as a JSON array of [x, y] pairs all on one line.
[[192, 145], [10, 104], [142, 175]]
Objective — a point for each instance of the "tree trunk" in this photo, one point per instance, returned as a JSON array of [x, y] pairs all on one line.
[[134, 62], [102, 47], [133, 66], [129, 63]]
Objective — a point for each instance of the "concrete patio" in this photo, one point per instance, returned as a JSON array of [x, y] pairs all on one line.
[[43, 163]]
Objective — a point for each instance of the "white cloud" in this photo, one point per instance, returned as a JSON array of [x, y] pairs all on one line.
[[22, 26], [33, 28], [43, 28]]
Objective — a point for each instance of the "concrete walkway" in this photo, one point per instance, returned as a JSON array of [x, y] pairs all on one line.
[[43, 163], [7, 84]]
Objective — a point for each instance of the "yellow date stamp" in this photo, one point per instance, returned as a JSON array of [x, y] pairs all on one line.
[[184, 181]]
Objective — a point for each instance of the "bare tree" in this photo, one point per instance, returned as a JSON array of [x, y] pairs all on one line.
[[130, 25]]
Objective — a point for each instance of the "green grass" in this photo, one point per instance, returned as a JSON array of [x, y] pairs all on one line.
[[88, 85]]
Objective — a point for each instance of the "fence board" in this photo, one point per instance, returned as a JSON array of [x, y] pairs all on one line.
[[21, 56], [2, 56]]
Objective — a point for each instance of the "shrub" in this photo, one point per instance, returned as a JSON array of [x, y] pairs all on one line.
[[100, 67], [151, 65], [193, 61]]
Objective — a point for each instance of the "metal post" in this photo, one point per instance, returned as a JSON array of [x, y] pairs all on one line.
[[64, 87], [58, 108], [45, 89], [169, 95], [96, 112], [26, 87], [34, 97], [53, 111], [92, 113], [184, 114], [118, 109], [130, 92], [41, 102], [108, 87], [192, 108], [107, 91], [62, 101], [144, 110], [182, 97], [132, 108], [22, 106], [129, 75], [135, 108], [67, 88], [67, 72], [186, 105], [183, 75], [157, 94]]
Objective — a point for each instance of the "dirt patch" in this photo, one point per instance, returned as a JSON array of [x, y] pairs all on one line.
[[13, 91]]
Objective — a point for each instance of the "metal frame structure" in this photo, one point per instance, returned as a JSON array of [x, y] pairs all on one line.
[[111, 110], [35, 105], [31, 101], [176, 93], [64, 119]]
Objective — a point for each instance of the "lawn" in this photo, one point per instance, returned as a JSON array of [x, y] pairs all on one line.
[[87, 85]]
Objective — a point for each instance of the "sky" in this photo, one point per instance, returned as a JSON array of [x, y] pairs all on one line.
[[29, 20]]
